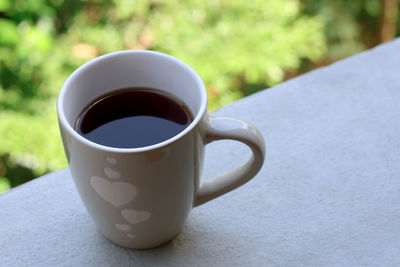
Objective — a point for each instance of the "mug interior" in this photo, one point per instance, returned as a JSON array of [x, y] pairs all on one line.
[[130, 69]]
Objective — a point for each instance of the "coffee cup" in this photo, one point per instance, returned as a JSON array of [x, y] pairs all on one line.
[[140, 197]]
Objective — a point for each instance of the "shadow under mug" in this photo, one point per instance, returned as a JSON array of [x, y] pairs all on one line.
[[140, 197]]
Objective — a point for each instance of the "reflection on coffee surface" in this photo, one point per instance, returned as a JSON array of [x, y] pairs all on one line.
[[133, 117]]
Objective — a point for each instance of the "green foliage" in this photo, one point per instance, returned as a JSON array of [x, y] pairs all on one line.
[[237, 47], [9, 32], [350, 26], [4, 184], [235, 43]]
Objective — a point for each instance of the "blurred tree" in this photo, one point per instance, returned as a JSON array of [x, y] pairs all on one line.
[[352, 26], [238, 47], [390, 9]]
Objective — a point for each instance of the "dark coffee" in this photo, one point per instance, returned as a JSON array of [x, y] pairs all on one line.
[[133, 117]]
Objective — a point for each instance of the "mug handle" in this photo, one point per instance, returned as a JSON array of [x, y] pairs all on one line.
[[218, 128]]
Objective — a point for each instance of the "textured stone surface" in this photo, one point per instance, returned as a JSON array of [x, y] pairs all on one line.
[[328, 194]]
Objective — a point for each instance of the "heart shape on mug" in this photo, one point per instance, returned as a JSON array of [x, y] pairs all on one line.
[[113, 161], [112, 174], [123, 227], [116, 193], [135, 216]]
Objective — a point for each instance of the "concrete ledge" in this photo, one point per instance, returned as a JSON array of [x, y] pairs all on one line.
[[328, 194]]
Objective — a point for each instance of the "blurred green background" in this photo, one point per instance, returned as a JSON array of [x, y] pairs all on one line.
[[238, 47]]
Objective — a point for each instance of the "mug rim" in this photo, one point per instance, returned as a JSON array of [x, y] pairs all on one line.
[[63, 120]]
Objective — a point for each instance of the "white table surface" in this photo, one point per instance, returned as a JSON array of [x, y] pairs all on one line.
[[328, 194]]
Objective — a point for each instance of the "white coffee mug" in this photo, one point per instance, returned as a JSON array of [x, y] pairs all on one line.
[[140, 197]]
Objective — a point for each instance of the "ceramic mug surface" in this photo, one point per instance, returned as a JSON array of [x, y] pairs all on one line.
[[140, 197]]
